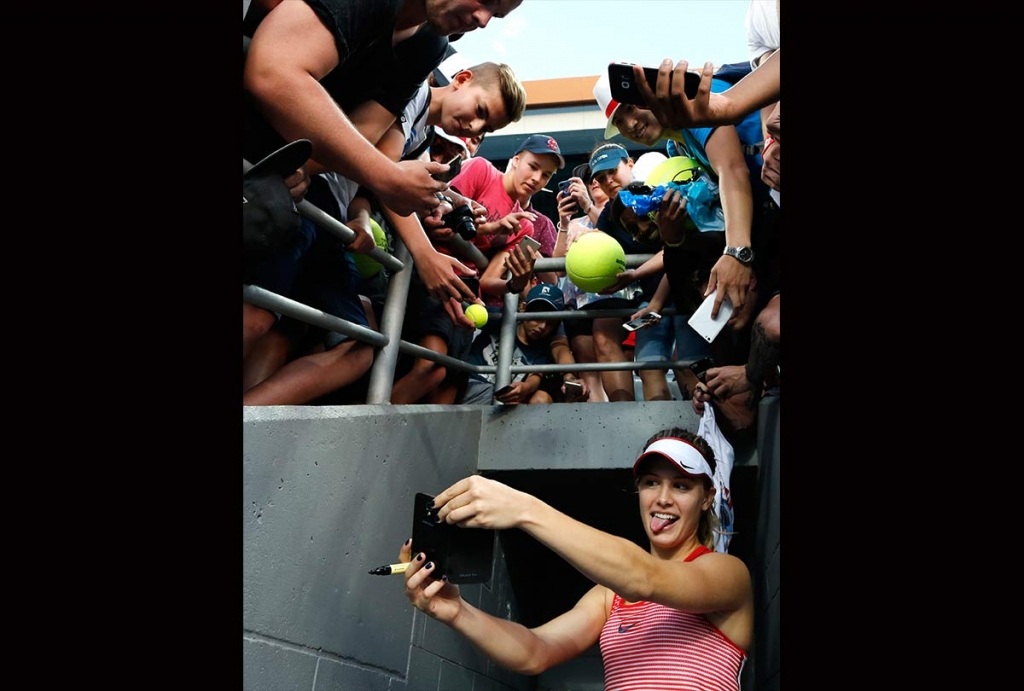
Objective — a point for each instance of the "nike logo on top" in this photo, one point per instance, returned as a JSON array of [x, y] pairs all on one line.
[[624, 629]]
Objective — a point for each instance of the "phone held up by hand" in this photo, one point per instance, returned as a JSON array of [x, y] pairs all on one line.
[[703, 324], [529, 241], [563, 187], [465, 555], [625, 90], [503, 390], [471, 282], [700, 368], [573, 389], [649, 319], [454, 167]]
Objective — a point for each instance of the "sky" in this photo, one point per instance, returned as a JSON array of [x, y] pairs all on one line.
[[550, 39]]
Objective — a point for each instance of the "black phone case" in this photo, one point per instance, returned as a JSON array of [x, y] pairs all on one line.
[[465, 555], [472, 282], [454, 169], [624, 90], [700, 367]]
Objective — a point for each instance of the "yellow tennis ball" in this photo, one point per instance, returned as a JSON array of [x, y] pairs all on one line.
[[594, 260], [478, 314], [366, 265]]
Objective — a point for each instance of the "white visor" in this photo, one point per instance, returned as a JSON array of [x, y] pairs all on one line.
[[680, 452]]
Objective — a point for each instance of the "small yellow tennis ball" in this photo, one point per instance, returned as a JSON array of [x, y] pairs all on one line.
[[367, 267], [478, 314]]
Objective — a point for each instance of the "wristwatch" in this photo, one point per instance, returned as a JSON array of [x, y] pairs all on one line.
[[743, 255]]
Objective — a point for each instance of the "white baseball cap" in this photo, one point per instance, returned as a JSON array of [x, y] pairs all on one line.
[[438, 132], [603, 94]]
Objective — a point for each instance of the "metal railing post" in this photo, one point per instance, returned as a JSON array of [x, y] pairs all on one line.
[[382, 375], [333, 225], [272, 302], [506, 341]]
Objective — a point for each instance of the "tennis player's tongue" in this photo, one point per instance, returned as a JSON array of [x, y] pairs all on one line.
[[658, 524]]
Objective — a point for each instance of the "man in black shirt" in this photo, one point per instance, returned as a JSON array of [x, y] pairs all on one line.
[[338, 72]]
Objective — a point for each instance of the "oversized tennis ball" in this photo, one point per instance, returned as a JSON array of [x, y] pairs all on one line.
[[681, 169], [594, 260], [477, 314], [365, 264]]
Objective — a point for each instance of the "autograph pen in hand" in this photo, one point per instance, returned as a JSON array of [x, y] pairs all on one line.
[[390, 569]]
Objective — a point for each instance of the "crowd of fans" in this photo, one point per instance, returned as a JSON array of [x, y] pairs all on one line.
[[395, 119], [360, 108]]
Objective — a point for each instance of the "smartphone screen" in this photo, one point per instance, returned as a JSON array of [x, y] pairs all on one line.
[[562, 187], [624, 90], [648, 319]]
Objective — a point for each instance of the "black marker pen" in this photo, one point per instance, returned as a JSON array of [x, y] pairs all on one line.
[[390, 569]]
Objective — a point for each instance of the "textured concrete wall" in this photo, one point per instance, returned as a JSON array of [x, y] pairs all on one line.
[[327, 495], [580, 436], [767, 555]]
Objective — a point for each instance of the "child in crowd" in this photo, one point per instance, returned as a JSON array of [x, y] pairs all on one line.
[[612, 167], [537, 342], [503, 193]]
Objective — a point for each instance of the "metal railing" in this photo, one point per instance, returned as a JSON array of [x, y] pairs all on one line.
[[396, 296]]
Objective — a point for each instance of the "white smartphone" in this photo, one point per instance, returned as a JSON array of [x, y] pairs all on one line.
[[701, 321], [649, 319], [528, 241]]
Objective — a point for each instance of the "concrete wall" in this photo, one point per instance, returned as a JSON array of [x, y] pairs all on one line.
[[327, 495], [767, 555]]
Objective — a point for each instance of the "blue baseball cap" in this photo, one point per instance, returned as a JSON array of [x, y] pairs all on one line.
[[545, 297], [607, 158], [542, 144]]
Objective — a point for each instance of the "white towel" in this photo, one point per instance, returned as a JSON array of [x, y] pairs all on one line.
[[724, 459]]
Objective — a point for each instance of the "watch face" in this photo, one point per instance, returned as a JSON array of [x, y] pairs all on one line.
[[743, 254]]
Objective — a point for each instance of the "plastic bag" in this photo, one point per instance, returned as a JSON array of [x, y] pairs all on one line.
[[702, 202]]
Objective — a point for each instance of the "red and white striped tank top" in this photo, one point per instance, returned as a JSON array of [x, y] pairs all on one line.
[[650, 647]]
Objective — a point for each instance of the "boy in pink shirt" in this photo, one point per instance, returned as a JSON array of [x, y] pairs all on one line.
[[503, 193]]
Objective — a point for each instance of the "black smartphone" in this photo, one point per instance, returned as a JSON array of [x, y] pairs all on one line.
[[472, 282], [649, 319], [701, 367], [455, 166], [563, 186], [503, 390], [465, 555], [573, 389], [624, 89]]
